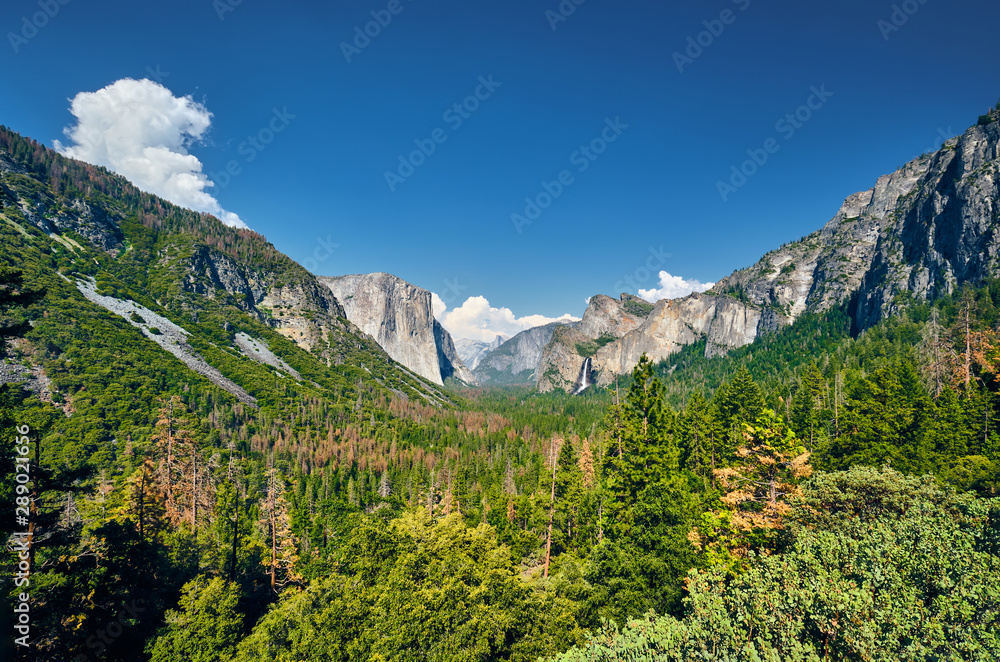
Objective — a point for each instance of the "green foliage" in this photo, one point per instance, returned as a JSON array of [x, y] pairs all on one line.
[[589, 348], [416, 589], [638, 307], [407, 522], [917, 584], [207, 627]]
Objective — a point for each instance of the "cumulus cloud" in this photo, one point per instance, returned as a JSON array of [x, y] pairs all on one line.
[[438, 304], [476, 319], [673, 287], [140, 130]]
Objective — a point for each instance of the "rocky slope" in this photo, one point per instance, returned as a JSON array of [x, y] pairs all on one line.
[[925, 229], [219, 300], [516, 361], [400, 317]]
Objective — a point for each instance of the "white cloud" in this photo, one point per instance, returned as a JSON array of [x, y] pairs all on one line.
[[140, 130], [478, 320], [438, 304], [673, 287]]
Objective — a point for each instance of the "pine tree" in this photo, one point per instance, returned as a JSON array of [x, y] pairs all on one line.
[[806, 406], [586, 463], [935, 354], [701, 435], [175, 453], [146, 504], [770, 464], [569, 487], [281, 541], [642, 450], [384, 485]]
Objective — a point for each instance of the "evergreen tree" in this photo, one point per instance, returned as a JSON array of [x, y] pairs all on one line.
[[771, 462], [807, 406], [569, 499], [642, 449], [207, 626], [280, 541], [701, 435], [739, 400]]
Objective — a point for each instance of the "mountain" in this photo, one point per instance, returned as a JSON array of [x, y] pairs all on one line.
[[400, 317], [473, 351], [172, 297], [516, 361], [917, 234]]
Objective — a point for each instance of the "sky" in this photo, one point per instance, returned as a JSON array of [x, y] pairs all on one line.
[[513, 157]]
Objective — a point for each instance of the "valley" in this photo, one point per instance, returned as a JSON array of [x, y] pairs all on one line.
[[800, 463]]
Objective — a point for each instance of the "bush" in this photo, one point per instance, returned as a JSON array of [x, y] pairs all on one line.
[[900, 570]]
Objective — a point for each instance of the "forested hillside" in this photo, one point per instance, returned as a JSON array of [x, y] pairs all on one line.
[[811, 496]]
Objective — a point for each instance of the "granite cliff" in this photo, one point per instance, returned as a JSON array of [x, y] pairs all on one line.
[[224, 302], [400, 317], [920, 232]]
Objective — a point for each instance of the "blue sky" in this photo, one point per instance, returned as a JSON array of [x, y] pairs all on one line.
[[651, 198]]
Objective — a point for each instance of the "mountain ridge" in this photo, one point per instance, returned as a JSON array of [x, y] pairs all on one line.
[[924, 229]]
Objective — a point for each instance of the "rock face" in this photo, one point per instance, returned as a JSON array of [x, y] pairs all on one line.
[[516, 361], [184, 280], [605, 320], [925, 229], [400, 317], [473, 351]]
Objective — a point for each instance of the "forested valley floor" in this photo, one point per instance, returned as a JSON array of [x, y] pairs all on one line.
[[817, 495]]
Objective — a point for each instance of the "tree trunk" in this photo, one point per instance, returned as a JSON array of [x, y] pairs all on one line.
[[236, 531], [552, 509], [968, 351], [194, 506], [274, 542]]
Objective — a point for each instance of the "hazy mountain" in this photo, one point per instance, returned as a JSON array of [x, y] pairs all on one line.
[[516, 361], [473, 351]]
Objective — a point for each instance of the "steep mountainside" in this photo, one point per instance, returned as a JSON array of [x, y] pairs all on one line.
[[400, 317], [515, 361], [919, 232], [222, 302]]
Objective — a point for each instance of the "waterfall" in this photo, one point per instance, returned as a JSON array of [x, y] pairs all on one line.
[[583, 381]]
